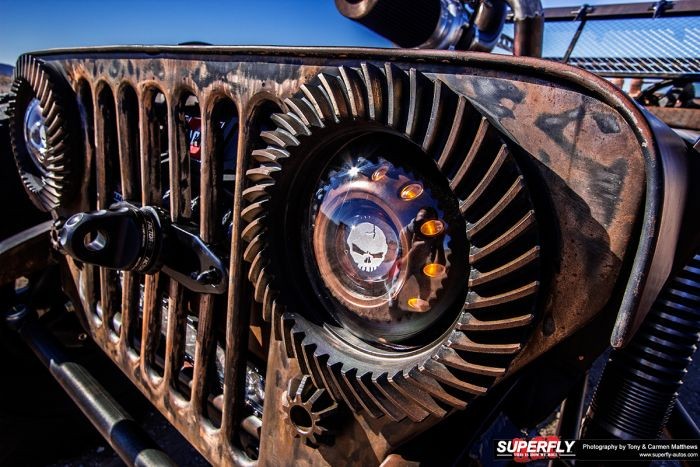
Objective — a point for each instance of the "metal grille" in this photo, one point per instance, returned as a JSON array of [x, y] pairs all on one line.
[[138, 150], [611, 44], [635, 46]]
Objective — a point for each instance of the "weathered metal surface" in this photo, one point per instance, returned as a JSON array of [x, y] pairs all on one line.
[[591, 173]]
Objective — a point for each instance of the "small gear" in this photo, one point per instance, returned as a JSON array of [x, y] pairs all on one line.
[[308, 409]]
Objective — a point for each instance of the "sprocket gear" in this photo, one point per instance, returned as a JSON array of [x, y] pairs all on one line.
[[307, 410], [55, 181], [504, 251]]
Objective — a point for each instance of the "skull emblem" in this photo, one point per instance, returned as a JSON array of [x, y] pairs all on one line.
[[368, 247]]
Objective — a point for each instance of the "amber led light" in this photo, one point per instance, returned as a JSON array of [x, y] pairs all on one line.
[[418, 304], [380, 173], [433, 270], [432, 228], [411, 191]]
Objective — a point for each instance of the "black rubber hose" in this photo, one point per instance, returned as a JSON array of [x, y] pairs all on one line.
[[640, 383]]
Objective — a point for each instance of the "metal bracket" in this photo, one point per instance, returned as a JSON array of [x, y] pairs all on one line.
[[144, 240], [660, 7], [582, 16]]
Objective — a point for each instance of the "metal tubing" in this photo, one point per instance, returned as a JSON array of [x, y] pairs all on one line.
[[638, 389], [120, 430], [528, 19]]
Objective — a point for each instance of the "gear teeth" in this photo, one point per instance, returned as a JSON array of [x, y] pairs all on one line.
[[440, 97], [504, 254], [279, 137], [33, 78], [411, 392], [297, 337], [253, 229], [353, 384], [468, 322], [442, 374], [307, 349], [256, 267], [305, 112], [487, 180], [326, 374], [506, 200], [344, 388], [481, 278], [254, 247], [291, 123], [258, 192], [432, 387], [356, 91], [269, 154], [408, 406], [477, 301], [397, 92], [451, 148], [450, 358], [320, 102], [261, 284], [286, 324], [376, 92], [477, 254], [459, 341], [335, 92], [253, 210], [462, 173], [263, 173], [268, 303], [418, 98], [384, 404]]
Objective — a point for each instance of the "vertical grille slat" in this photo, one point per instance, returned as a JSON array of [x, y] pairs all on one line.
[[130, 172], [90, 276], [209, 197], [151, 194], [203, 350], [151, 323], [129, 143], [107, 171], [175, 335], [237, 314], [205, 339], [180, 210]]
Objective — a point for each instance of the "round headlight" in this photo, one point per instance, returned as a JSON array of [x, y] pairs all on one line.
[[380, 230], [35, 134], [45, 133]]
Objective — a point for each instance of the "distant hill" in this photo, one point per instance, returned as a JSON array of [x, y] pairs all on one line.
[[5, 77], [6, 70]]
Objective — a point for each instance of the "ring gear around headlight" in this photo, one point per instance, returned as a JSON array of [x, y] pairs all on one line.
[[504, 252], [52, 180]]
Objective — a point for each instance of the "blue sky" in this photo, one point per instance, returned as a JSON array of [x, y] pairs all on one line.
[[35, 24]]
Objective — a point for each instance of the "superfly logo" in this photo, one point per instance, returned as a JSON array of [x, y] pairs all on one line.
[[538, 448]]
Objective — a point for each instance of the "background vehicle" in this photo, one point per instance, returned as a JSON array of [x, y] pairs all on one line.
[[403, 244]]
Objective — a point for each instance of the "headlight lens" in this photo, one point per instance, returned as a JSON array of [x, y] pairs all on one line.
[[35, 134], [381, 237]]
